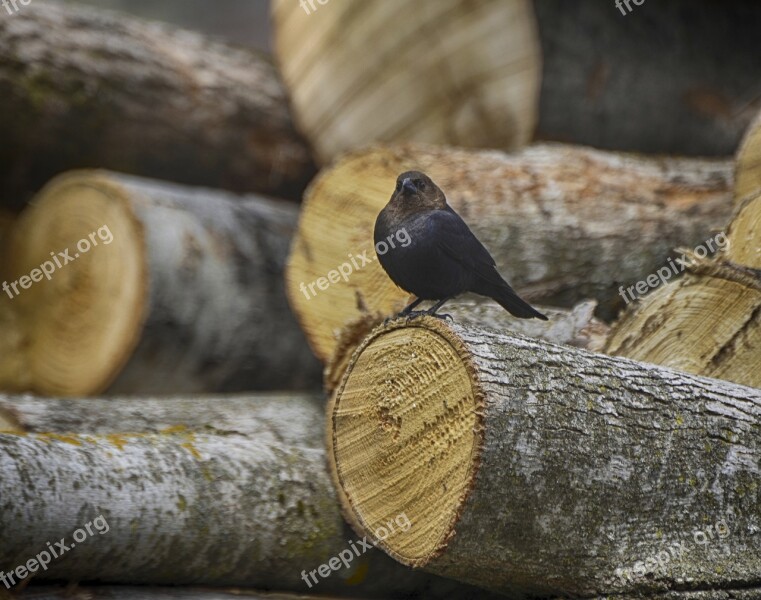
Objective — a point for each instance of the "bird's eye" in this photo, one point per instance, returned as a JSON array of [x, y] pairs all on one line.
[[421, 185], [398, 186]]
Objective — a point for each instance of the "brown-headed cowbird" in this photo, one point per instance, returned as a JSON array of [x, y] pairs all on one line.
[[443, 258]]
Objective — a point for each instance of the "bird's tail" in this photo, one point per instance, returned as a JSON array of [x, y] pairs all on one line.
[[514, 304]]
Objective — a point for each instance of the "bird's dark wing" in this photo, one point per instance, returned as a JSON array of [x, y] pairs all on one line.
[[457, 241]]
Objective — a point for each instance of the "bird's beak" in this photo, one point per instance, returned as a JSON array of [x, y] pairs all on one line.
[[408, 186]]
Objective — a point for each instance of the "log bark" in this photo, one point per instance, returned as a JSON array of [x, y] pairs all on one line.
[[180, 290], [541, 469], [709, 321], [577, 327], [563, 223], [271, 418], [452, 72], [692, 63], [80, 87], [209, 502]]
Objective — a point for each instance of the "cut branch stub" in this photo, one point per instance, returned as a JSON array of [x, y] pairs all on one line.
[[509, 455]]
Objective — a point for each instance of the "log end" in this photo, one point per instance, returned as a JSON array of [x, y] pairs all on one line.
[[407, 444], [78, 283]]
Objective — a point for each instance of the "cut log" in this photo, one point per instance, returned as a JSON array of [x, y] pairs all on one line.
[[563, 223], [692, 63], [538, 469], [748, 163], [168, 290], [709, 321], [208, 502], [440, 72], [128, 592], [576, 327], [12, 371], [84, 88]]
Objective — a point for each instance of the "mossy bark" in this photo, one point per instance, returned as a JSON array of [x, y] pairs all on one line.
[[584, 468], [285, 417], [130, 592], [80, 87]]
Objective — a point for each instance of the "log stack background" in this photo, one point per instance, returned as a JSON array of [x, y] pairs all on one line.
[[167, 196]]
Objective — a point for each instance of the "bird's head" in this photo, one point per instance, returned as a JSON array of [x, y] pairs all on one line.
[[416, 190]]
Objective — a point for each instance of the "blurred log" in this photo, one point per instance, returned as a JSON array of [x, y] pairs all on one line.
[[576, 327], [441, 71], [692, 64], [6, 221], [173, 290], [211, 501], [563, 223], [517, 453], [80, 87], [709, 321]]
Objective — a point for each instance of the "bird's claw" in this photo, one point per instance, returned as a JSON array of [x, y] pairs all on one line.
[[443, 317]]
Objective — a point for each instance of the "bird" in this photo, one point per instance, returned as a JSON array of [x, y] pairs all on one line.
[[444, 258]]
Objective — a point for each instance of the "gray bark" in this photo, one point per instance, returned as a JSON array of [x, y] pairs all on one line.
[[218, 317], [80, 87], [244, 506], [590, 466]]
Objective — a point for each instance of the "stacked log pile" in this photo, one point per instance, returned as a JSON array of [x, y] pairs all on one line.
[[176, 338]]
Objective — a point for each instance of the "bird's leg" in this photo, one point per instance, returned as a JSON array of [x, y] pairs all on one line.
[[408, 309], [432, 311]]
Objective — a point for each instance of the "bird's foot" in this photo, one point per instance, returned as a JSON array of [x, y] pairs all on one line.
[[413, 314]]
